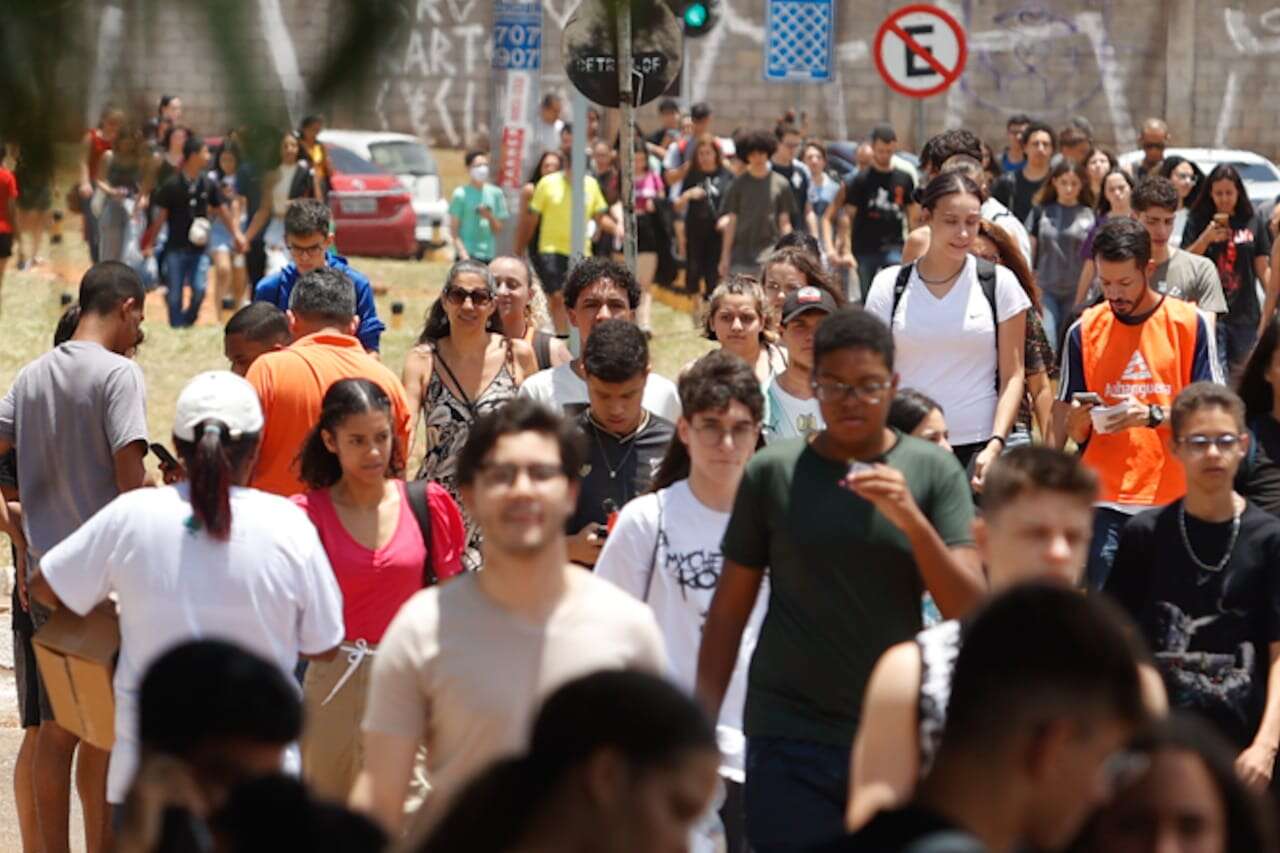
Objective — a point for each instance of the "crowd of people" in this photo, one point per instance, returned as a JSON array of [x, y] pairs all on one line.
[[965, 535]]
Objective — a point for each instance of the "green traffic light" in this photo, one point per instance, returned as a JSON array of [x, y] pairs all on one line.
[[695, 15]]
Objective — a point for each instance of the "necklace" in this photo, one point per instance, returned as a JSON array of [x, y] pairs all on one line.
[[604, 454], [1186, 541], [943, 280]]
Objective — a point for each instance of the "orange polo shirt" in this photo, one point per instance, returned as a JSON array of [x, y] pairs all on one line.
[[291, 385]]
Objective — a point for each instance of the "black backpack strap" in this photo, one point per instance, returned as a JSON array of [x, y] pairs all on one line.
[[899, 288], [653, 555], [542, 349], [987, 281], [422, 513]]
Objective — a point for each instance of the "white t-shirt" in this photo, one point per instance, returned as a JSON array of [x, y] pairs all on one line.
[[787, 416], [685, 571], [561, 387], [946, 347], [269, 588], [467, 676], [998, 214]]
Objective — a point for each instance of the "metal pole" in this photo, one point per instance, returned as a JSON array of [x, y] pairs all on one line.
[[577, 170], [919, 125], [627, 149]]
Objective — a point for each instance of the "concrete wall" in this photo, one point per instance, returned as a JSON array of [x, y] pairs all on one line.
[[1209, 67]]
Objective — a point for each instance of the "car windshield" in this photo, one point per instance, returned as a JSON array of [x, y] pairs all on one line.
[[350, 163], [1249, 172], [411, 158]]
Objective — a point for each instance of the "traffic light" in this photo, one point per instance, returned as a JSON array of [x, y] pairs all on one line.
[[698, 17]]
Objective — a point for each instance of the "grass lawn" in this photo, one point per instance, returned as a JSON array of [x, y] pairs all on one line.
[[29, 310]]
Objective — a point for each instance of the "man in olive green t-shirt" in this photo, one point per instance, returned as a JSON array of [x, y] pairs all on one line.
[[853, 526]]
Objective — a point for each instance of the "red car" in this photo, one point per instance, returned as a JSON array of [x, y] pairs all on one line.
[[372, 211]]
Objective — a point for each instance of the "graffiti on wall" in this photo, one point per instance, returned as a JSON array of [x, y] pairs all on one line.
[[1251, 39]]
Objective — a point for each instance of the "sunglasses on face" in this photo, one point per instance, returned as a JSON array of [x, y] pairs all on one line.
[[458, 296]]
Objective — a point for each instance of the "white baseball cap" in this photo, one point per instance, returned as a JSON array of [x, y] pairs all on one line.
[[217, 395]]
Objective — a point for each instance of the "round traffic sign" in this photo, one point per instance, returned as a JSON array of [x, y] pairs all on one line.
[[920, 50], [590, 50]]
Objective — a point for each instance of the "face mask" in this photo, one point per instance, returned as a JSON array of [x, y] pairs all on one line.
[[479, 174]]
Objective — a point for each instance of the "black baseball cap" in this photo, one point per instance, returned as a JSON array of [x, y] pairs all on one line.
[[884, 133], [807, 299]]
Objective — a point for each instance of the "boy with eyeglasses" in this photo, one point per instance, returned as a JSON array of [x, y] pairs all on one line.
[[307, 235], [1201, 577], [853, 525]]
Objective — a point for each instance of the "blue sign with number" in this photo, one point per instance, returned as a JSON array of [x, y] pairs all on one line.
[[798, 40], [517, 35]]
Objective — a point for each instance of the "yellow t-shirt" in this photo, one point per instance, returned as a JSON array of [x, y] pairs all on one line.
[[553, 201]]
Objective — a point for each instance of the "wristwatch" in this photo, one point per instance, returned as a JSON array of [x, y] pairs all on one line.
[[1155, 416]]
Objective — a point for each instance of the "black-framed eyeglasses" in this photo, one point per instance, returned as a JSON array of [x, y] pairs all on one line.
[[305, 251], [458, 296], [506, 474], [1225, 443], [870, 392], [741, 435]]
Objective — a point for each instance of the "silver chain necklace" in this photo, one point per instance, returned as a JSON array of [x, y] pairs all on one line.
[[1186, 540]]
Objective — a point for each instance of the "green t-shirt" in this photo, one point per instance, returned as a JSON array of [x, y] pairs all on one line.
[[476, 233], [844, 586]]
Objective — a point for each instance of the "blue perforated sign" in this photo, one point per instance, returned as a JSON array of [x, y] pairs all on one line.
[[798, 40]]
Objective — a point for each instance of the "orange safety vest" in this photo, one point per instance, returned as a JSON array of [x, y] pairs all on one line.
[[1152, 362]]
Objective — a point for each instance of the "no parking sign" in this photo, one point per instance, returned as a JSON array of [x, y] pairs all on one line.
[[920, 50]]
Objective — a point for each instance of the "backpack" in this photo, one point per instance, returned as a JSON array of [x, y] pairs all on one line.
[[986, 280], [422, 513]]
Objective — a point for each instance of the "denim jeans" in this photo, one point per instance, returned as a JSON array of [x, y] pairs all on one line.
[[185, 266], [871, 263], [1107, 525], [796, 793], [1057, 317]]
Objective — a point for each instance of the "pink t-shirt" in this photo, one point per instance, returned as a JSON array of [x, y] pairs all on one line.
[[375, 583]]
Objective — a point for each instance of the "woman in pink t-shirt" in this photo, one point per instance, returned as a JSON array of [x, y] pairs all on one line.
[[649, 191], [370, 528]]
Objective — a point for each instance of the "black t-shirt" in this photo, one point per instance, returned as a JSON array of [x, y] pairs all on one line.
[[701, 214], [1210, 631], [912, 829], [881, 199], [1015, 192], [633, 461], [1259, 476], [185, 200], [9, 470], [799, 188], [1234, 258]]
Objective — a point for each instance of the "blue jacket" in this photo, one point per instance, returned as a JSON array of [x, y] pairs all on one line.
[[276, 289]]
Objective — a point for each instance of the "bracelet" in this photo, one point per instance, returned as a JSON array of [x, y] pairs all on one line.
[[999, 438]]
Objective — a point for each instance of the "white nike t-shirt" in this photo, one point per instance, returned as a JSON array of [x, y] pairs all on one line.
[[946, 347]]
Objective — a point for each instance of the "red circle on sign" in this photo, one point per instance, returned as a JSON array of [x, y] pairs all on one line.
[[891, 26]]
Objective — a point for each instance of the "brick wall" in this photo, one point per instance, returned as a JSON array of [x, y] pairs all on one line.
[[1107, 60]]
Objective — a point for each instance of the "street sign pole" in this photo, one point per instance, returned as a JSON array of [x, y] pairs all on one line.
[[627, 148], [577, 173]]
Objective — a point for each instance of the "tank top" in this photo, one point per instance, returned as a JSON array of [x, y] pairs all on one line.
[[281, 191], [98, 145], [939, 648]]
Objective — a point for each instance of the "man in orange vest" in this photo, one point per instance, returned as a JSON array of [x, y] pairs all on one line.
[[1124, 362]]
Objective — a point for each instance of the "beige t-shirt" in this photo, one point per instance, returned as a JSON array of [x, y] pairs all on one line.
[[466, 676]]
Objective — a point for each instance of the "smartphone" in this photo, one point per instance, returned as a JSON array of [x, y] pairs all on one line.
[[1086, 398], [856, 467], [166, 458], [602, 531]]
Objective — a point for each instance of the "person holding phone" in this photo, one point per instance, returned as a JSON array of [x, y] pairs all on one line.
[[1124, 361], [381, 553], [625, 441]]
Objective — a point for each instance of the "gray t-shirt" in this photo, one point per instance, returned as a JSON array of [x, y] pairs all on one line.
[[1059, 232], [1193, 278], [757, 202], [68, 413]]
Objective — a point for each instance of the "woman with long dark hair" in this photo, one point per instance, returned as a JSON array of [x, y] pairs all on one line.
[[1058, 224], [701, 193], [1223, 226], [918, 414], [207, 557], [381, 554], [555, 797], [1179, 791], [1187, 178], [665, 547], [1099, 163], [792, 268], [1257, 387], [1114, 199], [955, 341], [291, 179], [462, 367]]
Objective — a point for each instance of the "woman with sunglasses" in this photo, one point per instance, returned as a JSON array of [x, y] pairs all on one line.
[[462, 367]]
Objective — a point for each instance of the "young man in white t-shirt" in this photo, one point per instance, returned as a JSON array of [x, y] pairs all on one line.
[[665, 546], [596, 290], [791, 409], [466, 665]]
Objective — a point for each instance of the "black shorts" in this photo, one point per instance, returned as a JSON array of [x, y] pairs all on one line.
[[35, 197], [553, 270], [6, 246], [26, 676], [44, 708]]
